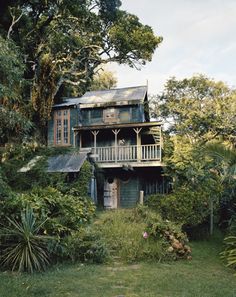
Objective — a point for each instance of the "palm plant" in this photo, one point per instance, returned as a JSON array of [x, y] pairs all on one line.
[[23, 247], [226, 161]]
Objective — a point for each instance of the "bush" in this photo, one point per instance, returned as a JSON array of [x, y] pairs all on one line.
[[5, 190], [184, 206], [85, 246], [171, 233], [16, 157], [64, 213], [132, 235]]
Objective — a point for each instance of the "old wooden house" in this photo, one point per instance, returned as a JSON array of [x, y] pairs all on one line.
[[114, 128]]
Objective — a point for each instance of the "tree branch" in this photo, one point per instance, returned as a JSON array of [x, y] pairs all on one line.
[[14, 21]]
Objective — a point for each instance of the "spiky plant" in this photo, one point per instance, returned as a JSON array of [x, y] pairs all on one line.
[[23, 247], [229, 254]]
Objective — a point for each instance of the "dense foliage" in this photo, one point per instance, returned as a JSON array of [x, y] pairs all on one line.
[[63, 206], [141, 234], [198, 111], [65, 42], [198, 108]]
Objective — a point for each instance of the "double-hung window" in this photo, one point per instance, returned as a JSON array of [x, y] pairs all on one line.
[[62, 127]]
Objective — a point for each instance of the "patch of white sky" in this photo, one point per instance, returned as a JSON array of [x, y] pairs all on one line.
[[198, 37]]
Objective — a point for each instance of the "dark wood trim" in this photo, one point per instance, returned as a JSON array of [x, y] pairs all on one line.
[[113, 126]]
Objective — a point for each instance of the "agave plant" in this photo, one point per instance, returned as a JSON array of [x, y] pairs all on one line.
[[23, 247]]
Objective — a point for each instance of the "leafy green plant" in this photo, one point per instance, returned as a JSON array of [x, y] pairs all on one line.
[[184, 205], [64, 213], [141, 234], [23, 246], [85, 245], [174, 239], [229, 254]]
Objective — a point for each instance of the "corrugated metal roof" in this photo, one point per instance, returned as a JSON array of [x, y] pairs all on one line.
[[108, 96], [66, 163], [124, 94]]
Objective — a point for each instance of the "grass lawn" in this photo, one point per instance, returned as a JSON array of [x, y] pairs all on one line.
[[203, 276]]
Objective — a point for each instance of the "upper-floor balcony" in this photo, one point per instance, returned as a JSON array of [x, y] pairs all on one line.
[[122, 145], [133, 155]]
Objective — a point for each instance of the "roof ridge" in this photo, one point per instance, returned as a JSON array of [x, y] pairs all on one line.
[[114, 89]]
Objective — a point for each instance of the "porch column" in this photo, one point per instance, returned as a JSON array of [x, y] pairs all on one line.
[[138, 142], [116, 131], [95, 133], [160, 144], [75, 133], [80, 139]]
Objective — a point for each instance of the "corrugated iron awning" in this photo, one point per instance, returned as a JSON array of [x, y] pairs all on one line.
[[66, 163]]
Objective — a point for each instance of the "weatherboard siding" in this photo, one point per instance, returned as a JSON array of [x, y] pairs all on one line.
[[129, 192], [123, 114]]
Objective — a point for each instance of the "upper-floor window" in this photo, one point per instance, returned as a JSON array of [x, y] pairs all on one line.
[[96, 115], [62, 127], [125, 115], [110, 115]]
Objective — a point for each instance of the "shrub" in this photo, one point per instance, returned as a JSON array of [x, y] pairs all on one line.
[[85, 246], [16, 157], [80, 185], [124, 233], [171, 233], [64, 213], [184, 206], [5, 190], [24, 248]]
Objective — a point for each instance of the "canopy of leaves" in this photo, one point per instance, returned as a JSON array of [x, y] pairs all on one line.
[[198, 108], [63, 42], [103, 80], [11, 73], [13, 126]]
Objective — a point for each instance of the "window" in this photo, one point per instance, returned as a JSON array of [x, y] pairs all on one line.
[[110, 115], [125, 115], [62, 127], [96, 115]]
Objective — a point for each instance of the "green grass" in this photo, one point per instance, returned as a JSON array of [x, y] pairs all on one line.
[[203, 276]]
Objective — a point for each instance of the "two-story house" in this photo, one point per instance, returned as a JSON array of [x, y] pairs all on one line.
[[114, 126]]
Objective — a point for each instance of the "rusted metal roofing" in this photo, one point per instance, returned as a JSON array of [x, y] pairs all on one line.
[[66, 163], [107, 96]]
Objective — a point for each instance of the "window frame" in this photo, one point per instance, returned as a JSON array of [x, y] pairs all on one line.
[[62, 116]]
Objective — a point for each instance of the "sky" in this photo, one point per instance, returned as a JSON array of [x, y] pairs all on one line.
[[199, 36]]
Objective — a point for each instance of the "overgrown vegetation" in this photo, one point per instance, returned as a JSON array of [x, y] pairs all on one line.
[[63, 206], [141, 234], [203, 276]]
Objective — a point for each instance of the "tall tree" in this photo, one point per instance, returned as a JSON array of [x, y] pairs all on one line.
[[64, 41], [103, 80], [198, 108], [11, 74]]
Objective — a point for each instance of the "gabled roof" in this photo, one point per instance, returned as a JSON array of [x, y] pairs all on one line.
[[108, 97]]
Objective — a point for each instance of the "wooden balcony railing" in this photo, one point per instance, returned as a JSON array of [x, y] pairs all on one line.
[[131, 153]]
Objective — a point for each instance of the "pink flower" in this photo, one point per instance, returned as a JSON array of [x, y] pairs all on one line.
[[145, 235]]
